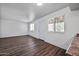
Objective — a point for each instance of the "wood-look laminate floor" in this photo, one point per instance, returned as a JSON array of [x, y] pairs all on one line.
[[28, 46]]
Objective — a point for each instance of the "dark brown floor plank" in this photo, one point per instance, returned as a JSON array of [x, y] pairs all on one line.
[[28, 46]]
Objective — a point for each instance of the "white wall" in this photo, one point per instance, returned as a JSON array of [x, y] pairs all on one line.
[[12, 22], [0, 21], [61, 40], [12, 28], [0, 27]]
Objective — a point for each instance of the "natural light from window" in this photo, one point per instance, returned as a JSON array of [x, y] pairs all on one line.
[[51, 27], [32, 27], [56, 24]]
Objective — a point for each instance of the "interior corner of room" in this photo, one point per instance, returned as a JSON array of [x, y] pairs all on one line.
[[27, 21]]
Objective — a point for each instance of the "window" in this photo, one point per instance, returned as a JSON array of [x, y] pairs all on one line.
[[31, 27], [59, 27], [56, 24], [51, 27]]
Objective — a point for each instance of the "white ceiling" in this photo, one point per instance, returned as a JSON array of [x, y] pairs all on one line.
[[27, 12]]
